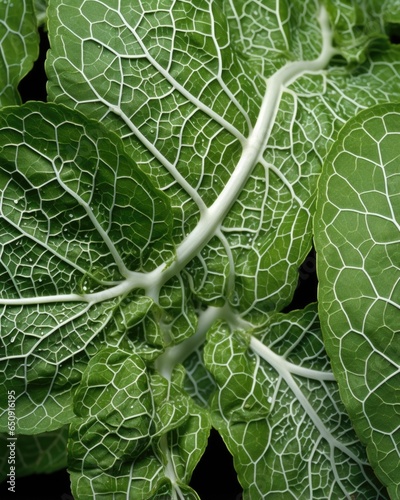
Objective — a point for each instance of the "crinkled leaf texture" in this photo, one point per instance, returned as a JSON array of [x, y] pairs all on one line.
[[358, 244], [19, 47], [279, 411], [153, 218], [75, 209], [119, 438]]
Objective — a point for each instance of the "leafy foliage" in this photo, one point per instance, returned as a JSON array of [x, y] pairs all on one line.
[[19, 47], [358, 238], [154, 214]]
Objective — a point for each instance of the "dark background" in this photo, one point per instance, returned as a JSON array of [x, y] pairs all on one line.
[[214, 478]]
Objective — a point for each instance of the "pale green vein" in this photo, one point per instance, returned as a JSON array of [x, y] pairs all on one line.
[[286, 371]]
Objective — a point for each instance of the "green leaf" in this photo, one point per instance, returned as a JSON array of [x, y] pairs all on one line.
[[360, 26], [238, 155], [114, 408], [118, 442], [40, 11], [279, 412], [220, 114], [19, 44], [357, 240], [70, 255], [41, 453], [198, 117], [181, 449]]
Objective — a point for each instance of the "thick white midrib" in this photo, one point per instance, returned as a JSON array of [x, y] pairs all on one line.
[[135, 280], [286, 370], [212, 217], [281, 364], [177, 354], [170, 469]]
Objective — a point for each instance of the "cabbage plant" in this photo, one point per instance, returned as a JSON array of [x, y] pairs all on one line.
[[154, 214]]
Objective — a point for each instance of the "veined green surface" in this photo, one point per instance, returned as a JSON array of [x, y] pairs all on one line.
[[154, 215], [19, 47], [358, 244]]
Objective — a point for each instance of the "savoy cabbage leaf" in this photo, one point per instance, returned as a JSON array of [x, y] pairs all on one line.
[[154, 214], [19, 47], [357, 237]]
